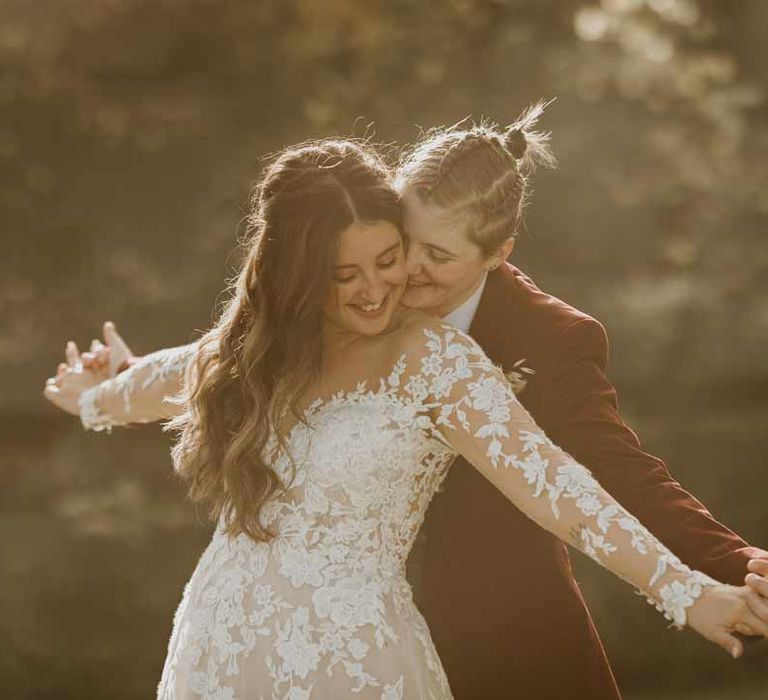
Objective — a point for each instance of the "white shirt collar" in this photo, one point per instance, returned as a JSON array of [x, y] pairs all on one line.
[[463, 315]]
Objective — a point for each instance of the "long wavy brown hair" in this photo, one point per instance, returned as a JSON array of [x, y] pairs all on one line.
[[252, 368]]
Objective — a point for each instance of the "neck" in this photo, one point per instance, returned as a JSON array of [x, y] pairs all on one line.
[[456, 304], [336, 337]]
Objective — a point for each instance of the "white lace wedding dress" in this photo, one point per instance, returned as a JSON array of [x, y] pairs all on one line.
[[324, 609]]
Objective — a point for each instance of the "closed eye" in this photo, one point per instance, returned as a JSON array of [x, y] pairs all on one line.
[[436, 257], [386, 264], [383, 263]]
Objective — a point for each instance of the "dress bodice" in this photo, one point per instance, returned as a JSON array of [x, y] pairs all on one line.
[[365, 465]]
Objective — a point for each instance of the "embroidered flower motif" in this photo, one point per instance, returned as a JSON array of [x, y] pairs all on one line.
[[393, 692], [432, 364], [416, 388], [358, 649], [294, 645], [589, 504], [296, 693]]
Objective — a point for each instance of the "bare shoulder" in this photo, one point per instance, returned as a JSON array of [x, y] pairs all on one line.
[[413, 331]]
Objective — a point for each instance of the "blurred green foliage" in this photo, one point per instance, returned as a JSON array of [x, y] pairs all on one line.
[[130, 134]]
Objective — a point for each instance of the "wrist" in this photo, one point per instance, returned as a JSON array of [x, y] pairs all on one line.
[[127, 364], [91, 417], [676, 597]]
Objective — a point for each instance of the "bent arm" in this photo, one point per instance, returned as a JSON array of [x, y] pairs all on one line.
[[587, 424], [476, 412], [141, 394]]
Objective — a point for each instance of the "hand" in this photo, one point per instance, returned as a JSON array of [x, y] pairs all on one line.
[[111, 358], [757, 580], [722, 610], [105, 361], [65, 389]]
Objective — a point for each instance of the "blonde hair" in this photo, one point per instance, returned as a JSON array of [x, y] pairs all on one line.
[[479, 174]]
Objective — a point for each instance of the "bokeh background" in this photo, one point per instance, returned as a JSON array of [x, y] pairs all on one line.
[[131, 132]]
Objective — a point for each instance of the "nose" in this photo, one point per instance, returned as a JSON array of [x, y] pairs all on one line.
[[375, 288], [413, 261]]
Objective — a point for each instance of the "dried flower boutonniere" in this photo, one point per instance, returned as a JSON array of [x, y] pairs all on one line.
[[518, 376]]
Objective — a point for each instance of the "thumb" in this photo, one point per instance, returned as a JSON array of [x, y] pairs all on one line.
[[115, 340], [120, 353]]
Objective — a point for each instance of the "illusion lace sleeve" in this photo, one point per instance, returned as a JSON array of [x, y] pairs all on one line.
[[474, 410], [140, 394]]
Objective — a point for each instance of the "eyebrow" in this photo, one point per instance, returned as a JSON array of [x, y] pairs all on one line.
[[380, 255]]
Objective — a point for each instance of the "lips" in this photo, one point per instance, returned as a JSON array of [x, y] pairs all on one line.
[[371, 310]]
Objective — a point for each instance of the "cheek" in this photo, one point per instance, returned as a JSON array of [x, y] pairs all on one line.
[[334, 300], [448, 274], [397, 275]]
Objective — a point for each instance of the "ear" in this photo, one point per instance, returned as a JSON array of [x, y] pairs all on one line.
[[501, 253]]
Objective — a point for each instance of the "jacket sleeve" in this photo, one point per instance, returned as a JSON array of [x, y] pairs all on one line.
[[585, 421], [474, 409]]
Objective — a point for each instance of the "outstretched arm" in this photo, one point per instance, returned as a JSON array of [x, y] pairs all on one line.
[[475, 410], [140, 394], [584, 419]]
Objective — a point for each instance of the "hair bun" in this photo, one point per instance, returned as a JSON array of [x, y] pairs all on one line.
[[516, 142]]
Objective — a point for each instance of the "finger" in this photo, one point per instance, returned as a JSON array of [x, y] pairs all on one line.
[[758, 608], [746, 630], [61, 369], [95, 345], [114, 339], [121, 354], [103, 354], [51, 380], [757, 583], [72, 354], [728, 642], [757, 602], [758, 566], [88, 359], [754, 623]]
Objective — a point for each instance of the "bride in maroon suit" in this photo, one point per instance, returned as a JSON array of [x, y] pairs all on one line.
[[463, 191]]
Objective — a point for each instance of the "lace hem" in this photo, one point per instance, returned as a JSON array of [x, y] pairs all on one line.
[[678, 596], [90, 415]]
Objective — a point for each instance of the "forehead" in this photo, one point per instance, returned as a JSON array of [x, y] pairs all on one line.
[[364, 240], [427, 223]]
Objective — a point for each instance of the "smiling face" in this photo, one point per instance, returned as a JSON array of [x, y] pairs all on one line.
[[369, 278], [444, 266]]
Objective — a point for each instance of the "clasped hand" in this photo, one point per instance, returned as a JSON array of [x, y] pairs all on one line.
[[724, 610], [81, 372]]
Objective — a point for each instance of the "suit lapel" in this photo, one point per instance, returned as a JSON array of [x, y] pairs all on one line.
[[494, 325]]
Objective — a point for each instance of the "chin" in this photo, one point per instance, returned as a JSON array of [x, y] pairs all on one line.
[[420, 299], [373, 324], [415, 297], [369, 328]]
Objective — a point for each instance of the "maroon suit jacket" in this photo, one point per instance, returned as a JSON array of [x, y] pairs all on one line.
[[497, 590]]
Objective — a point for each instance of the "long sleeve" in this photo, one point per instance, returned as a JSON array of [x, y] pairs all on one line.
[[140, 394], [474, 410], [584, 420]]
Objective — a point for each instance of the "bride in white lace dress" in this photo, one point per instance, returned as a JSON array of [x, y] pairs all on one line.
[[302, 591]]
